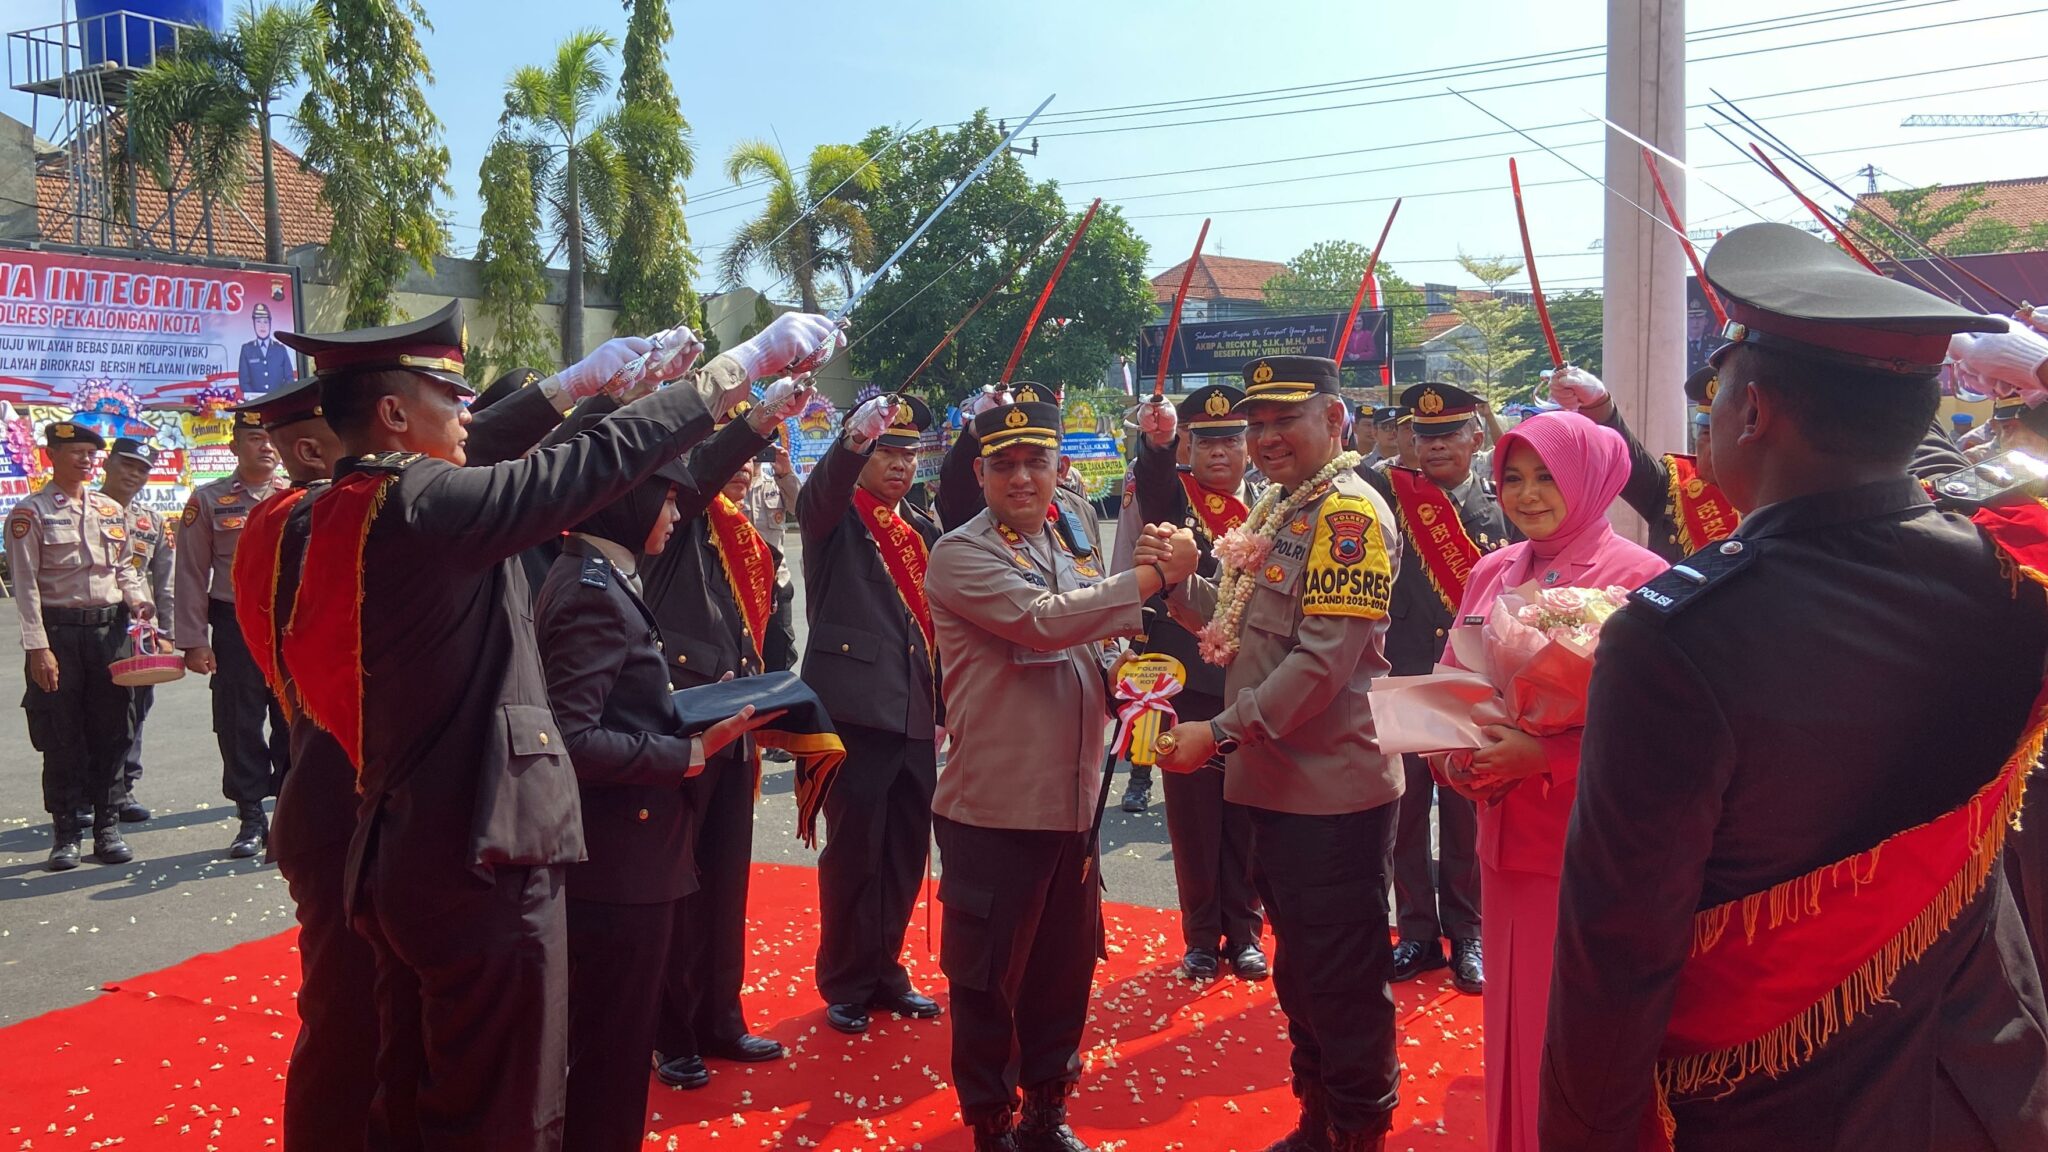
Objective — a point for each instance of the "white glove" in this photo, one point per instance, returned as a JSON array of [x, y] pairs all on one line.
[[1575, 388], [792, 342], [779, 401], [2009, 361], [982, 401], [1158, 421], [2036, 318], [870, 420], [594, 373]]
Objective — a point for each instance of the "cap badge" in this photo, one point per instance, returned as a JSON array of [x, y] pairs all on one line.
[[1016, 419], [1263, 373], [1430, 403], [1028, 395], [1217, 405], [63, 431], [1713, 387]]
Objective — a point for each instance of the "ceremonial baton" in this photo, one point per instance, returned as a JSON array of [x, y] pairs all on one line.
[[1692, 255], [1180, 297], [1529, 256], [1364, 283], [1000, 284], [1045, 293]]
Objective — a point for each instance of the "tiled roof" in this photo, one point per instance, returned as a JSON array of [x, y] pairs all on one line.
[[1437, 323], [1218, 278], [237, 231], [2017, 202]]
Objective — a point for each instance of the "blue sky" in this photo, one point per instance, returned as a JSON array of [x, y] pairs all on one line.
[[809, 73]]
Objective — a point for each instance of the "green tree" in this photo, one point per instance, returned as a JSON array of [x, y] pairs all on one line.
[[1912, 211], [1984, 234], [1577, 318], [1324, 277], [1493, 351], [552, 113], [513, 267], [651, 262], [812, 225], [188, 128], [1102, 299], [375, 141], [2036, 238]]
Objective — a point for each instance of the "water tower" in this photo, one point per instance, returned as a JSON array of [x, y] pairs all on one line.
[[85, 64]]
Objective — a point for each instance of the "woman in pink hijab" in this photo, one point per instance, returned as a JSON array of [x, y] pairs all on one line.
[[1557, 474]]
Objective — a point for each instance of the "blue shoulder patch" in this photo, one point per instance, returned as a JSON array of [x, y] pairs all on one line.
[[597, 572], [1691, 578]]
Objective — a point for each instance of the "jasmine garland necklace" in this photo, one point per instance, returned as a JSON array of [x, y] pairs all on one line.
[[1244, 548]]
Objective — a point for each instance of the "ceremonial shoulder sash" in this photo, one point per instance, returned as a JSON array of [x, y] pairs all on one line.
[[1435, 532], [749, 566], [258, 559], [904, 556], [323, 640], [1216, 512], [1703, 515], [1773, 976]]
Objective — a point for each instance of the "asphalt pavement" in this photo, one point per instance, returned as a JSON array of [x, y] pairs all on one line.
[[64, 934]]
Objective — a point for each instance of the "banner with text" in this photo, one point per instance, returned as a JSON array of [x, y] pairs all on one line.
[[1222, 347]]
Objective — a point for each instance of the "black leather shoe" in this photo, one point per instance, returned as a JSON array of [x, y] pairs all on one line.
[[65, 833], [1137, 796], [1249, 962], [913, 1004], [851, 1019], [684, 1072], [131, 813], [746, 1050], [1201, 964], [107, 845], [1468, 968], [250, 836], [1412, 958]]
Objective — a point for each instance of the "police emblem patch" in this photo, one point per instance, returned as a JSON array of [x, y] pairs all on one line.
[[1275, 574], [1347, 536], [17, 527], [233, 522], [116, 532], [191, 515]]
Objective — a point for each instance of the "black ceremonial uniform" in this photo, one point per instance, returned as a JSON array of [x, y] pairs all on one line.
[[469, 808], [1211, 837], [704, 637], [869, 661], [1765, 713], [1648, 491]]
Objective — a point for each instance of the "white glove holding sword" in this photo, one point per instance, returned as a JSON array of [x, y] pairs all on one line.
[[1574, 388], [1158, 421], [869, 421]]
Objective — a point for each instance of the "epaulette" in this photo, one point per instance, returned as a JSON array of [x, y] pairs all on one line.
[[391, 461], [2008, 478], [1690, 578], [597, 572]]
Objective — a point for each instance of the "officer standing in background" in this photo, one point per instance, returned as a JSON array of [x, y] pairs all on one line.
[[1302, 637], [1675, 493], [770, 502], [1020, 618], [1449, 517], [67, 554], [1211, 836], [871, 660], [125, 471], [251, 764]]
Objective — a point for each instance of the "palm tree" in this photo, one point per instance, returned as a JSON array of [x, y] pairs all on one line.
[[552, 112], [809, 226], [200, 103]]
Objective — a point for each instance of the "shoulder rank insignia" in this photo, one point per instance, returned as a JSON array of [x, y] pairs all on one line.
[[2007, 478], [393, 461], [1690, 578], [597, 572]]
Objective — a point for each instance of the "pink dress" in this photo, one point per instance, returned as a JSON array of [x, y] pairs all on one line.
[[1521, 839]]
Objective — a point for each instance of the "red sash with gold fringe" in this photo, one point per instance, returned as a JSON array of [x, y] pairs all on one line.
[[1218, 512], [1439, 537], [904, 556], [749, 565], [1775, 975], [258, 558], [1703, 515], [323, 640]]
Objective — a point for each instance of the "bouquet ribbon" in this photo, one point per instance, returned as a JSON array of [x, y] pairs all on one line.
[[1139, 704], [144, 637]]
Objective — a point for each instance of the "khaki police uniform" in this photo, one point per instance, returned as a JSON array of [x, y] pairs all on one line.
[[208, 531]]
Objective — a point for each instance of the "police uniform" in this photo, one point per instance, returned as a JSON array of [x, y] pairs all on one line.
[[410, 642], [75, 588], [704, 635], [1736, 960], [251, 763], [1439, 901], [264, 364], [150, 551], [1211, 836], [1020, 619], [870, 660], [1298, 742]]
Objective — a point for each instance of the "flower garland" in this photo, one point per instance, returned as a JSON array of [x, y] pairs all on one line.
[[1244, 548]]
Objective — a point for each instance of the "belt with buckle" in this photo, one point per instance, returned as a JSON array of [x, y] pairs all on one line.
[[88, 617]]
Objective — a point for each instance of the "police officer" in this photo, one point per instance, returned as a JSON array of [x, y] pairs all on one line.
[[1306, 634], [712, 592], [871, 661], [67, 554], [1675, 493], [1020, 617], [1449, 517], [209, 529], [1749, 953], [960, 497], [1211, 836], [125, 471]]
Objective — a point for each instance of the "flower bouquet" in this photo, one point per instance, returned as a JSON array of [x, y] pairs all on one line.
[[1526, 664]]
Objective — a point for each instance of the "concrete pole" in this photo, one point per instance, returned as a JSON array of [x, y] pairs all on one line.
[[1644, 269]]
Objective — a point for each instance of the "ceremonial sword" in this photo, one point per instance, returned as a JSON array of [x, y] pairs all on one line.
[[1364, 282], [1045, 294], [1180, 297], [1529, 256]]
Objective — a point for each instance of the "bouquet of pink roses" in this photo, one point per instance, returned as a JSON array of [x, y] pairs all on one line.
[[1527, 664]]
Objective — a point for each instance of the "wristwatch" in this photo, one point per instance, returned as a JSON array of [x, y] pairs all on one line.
[[1224, 744]]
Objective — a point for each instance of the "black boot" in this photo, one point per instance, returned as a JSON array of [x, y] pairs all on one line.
[[1138, 790], [255, 830], [107, 845], [1311, 1132], [64, 836], [992, 1133], [1343, 1141], [1043, 1125]]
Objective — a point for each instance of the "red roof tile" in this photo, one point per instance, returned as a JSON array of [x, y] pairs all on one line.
[[1437, 323], [2017, 202], [1218, 278]]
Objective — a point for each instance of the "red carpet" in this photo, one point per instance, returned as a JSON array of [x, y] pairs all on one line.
[[194, 1057]]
